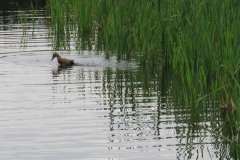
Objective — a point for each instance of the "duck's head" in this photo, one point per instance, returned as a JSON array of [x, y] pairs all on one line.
[[55, 55]]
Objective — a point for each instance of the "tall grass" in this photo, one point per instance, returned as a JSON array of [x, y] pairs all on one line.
[[198, 40]]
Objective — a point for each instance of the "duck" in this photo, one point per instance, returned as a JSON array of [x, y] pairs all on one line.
[[63, 61]]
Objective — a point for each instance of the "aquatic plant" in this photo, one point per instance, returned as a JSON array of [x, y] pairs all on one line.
[[198, 40]]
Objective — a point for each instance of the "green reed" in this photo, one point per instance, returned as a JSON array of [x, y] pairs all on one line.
[[24, 17], [199, 40]]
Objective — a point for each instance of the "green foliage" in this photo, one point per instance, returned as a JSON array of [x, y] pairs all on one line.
[[198, 39]]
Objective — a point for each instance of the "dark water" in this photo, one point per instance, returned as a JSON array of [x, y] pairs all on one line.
[[101, 109]]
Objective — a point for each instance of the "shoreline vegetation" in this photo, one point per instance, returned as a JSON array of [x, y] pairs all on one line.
[[198, 41]]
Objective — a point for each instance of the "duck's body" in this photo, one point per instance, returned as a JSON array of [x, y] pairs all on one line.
[[63, 61]]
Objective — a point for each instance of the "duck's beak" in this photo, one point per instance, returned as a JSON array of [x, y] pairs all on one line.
[[52, 58]]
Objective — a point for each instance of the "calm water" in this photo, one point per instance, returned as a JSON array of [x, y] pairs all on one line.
[[101, 109]]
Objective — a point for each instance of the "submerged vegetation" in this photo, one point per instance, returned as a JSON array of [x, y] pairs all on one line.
[[197, 41]]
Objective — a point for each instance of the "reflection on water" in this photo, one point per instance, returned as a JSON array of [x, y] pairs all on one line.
[[9, 7], [100, 109], [61, 70]]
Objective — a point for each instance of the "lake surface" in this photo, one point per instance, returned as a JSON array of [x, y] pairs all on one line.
[[97, 109]]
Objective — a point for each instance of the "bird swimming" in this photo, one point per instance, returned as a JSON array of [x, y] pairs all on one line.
[[63, 61]]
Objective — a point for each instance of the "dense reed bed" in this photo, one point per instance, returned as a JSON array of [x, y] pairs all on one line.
[[198, 41]]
